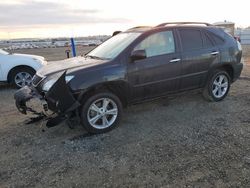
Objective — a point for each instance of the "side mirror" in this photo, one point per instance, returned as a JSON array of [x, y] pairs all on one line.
[[138, 54], [115, 33]]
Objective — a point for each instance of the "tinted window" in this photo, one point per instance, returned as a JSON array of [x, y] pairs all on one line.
[[207, 43], [158, 44], [217, 39], [191, 39]]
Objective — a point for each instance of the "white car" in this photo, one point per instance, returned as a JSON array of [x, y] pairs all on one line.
[[18, 69]]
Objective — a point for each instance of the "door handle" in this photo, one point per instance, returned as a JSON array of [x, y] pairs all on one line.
[[174, 60], [214, 53]]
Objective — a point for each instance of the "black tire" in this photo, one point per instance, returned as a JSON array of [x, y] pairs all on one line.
[[15, 72], [99, 99], [208, 89]]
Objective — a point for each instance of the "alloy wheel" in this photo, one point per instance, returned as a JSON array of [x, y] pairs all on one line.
[[220, 86], [102, 113], [23, 79]]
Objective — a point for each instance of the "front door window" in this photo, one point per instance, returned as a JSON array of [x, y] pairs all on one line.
[[158, 44]]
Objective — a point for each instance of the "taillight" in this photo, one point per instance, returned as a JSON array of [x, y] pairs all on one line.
[[239, 45], [237, 38]]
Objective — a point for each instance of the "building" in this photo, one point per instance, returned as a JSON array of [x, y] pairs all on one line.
[[227, 26], [244, 35]]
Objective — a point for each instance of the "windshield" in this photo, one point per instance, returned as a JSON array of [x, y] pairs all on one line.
[[113, 46], [3, 52]]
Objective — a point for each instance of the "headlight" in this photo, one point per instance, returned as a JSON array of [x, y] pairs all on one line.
[[239, 45], [41, 61], [68, 78], [44, 62], [50, 83]]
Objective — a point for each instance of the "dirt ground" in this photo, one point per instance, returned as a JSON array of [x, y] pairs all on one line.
[[178, 141], [52, 54]]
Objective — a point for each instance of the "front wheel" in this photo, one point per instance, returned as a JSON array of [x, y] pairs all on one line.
[[101, 112], [217, 86], [21, 77]]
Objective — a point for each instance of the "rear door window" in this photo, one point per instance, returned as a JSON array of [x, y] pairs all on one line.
[[207, 42], [191, 39], [218, 40]]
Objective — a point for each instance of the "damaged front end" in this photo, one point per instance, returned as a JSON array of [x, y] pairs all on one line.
[[58, 99]]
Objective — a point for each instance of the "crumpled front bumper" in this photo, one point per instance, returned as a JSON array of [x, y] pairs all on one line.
[[58, 99], [25, 94]]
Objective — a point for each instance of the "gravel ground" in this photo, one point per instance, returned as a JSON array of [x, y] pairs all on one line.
[[179, 141]]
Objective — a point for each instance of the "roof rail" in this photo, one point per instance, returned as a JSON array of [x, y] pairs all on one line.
[[138, 27], [182, 23]]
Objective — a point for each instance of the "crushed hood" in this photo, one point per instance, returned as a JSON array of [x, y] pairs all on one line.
[[72, 63]]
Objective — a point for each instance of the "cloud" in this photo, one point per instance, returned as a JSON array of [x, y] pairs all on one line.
[[29, 13]]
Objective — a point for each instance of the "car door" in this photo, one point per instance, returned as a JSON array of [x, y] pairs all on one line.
[[159, 73], [198, 53]]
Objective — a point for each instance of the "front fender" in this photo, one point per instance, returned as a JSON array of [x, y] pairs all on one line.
[[8, 66], [104, 73]]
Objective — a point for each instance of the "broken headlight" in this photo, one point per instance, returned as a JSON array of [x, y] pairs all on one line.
[[47, 85]]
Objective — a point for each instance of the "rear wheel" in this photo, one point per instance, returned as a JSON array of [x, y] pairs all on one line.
[[217, 86], [101, 112], [22, 76]]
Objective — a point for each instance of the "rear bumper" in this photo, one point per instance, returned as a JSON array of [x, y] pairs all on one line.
[[58, 99], [237, 71]]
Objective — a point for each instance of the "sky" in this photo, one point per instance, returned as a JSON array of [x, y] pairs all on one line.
[[74, 18]]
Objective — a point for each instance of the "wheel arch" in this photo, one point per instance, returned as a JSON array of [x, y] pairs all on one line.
[[118, 88], [229, 69], [16, 68], [226, 67]]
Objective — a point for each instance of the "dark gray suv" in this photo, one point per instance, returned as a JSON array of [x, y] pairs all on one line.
[[134, 66]]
